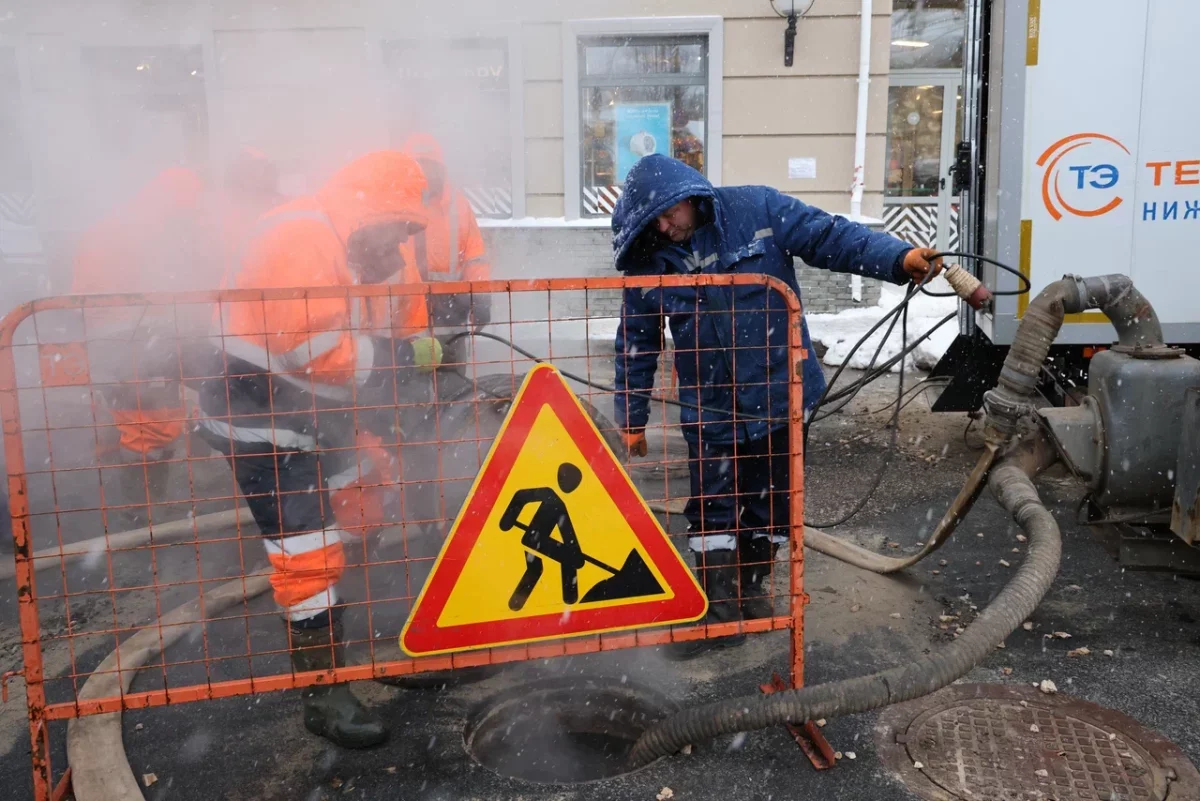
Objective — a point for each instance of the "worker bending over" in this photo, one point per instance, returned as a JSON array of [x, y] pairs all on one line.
[[287, 409], [731, 356]]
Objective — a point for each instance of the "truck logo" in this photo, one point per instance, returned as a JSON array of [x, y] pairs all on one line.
[[1091, 177]]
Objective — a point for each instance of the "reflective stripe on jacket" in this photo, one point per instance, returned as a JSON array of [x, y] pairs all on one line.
[[287, 362]]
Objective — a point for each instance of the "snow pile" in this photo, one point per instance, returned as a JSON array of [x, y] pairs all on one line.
[[839, 332]]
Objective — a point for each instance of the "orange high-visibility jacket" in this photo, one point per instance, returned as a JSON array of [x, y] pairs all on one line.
[[318, 343], [137, 248], [159, 241], [451, 247]]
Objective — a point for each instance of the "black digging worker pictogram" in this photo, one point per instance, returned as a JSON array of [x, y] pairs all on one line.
[[632, 580]]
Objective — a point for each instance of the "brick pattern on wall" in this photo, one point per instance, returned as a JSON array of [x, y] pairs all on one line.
[[823, 292], [574, 252]]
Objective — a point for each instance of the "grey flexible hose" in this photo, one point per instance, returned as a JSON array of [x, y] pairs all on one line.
[[1010, 482], [1131, 314], [1011, 398], [1138, 329]]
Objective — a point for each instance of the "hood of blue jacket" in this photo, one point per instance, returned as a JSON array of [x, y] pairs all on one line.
[[654, 184]]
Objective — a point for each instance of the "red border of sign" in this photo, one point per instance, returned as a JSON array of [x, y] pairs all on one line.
[[544, 386]]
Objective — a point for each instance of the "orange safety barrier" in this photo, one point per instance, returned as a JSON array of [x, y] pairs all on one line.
[[437, 461]]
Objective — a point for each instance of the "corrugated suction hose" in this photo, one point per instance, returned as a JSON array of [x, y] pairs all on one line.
[[1010, 482]]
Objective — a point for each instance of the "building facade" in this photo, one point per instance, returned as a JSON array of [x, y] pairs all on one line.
[[541, 106]]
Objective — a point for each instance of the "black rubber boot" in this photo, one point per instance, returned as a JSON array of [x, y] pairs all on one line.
[[331, 710], [757, 556], [719, 578]]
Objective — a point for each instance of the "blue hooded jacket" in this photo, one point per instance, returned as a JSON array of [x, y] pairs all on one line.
[[725, 337]]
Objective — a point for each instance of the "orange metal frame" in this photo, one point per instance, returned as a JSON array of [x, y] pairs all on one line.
[[59, 362]]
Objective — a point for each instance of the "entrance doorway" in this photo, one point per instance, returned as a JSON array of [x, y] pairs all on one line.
[[925, 111], [924, 125]]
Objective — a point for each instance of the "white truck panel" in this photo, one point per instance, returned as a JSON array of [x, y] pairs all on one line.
[[1166, 228], [1109, 178], [1081, 110]]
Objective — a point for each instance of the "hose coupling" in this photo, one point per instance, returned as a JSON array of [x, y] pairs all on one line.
[[1004, 411]]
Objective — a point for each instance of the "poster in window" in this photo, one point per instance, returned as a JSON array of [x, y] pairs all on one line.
[[642, 129]]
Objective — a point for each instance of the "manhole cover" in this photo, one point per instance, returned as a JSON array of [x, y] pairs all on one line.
[[988, 742]]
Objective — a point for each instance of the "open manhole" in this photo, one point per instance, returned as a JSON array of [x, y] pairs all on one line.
[[987, 742], [562, 731]]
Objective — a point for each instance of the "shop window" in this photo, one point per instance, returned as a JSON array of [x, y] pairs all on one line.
[[639, 95], [16, 169], [149, 110], [928, 34], [914, 140], [21, 256], [459, 92]]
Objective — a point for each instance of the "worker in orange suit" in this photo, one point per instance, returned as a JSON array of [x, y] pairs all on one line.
[[174, 235], [297, 376], [159, 241], [449, 249]]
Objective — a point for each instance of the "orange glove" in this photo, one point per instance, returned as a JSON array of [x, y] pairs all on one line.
[[917, 264], [635, 442]]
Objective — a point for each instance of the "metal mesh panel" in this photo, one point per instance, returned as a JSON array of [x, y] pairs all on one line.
[[136, 525]]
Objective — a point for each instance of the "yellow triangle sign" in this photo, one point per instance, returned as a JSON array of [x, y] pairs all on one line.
[[553, 541]]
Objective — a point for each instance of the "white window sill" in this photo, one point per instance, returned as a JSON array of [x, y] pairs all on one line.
[[874, 222], [548, 222], [606, 222]]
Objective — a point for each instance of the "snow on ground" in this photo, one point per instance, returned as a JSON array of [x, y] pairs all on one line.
[[838, 332]]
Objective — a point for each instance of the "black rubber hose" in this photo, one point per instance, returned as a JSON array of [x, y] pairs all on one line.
[[1010, 482]]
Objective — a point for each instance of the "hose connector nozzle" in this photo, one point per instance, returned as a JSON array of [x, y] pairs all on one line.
[[968, 287]]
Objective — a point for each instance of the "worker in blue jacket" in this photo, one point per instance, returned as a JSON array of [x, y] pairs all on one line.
[[731, 356]]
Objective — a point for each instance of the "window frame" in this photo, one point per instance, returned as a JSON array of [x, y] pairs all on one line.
[[18, 103], [711, 27], [510, 35], [98, 89]]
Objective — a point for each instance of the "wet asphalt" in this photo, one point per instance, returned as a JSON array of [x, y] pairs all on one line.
[[256, 747]]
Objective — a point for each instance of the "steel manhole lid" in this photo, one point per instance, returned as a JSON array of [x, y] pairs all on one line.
[[987, 742]]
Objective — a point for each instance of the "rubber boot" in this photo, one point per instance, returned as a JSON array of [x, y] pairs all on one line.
[[719, 578], [331, 710], [757, 556]]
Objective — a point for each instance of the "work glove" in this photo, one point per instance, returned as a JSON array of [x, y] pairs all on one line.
[[635, 443], [917, 264], [427, 353]]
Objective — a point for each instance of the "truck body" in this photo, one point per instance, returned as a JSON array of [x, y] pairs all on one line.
[[1082, 156]]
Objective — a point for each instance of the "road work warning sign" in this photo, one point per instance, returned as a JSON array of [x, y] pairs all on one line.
[[552, 541]]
